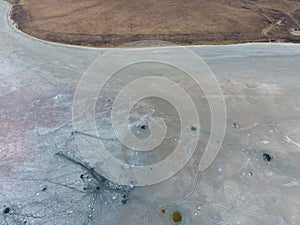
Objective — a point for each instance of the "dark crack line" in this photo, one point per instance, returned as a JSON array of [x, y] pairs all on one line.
[[100, 179], [93, 136], [91, 170]]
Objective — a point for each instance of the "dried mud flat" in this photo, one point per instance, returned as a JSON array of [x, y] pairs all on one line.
[[44, 179], [110, 23]]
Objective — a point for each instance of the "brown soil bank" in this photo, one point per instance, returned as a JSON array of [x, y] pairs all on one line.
[[110, 23]]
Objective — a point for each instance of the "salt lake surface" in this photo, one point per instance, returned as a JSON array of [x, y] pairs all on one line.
[[255, 178]]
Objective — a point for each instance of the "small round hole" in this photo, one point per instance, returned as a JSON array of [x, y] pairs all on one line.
[[267, 157], [144, 127], [6, 210]]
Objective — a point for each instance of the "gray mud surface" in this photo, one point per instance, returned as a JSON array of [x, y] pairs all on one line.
[[254, 180]]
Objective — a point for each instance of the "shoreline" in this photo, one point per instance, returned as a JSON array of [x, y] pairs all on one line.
[[14, 26]]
